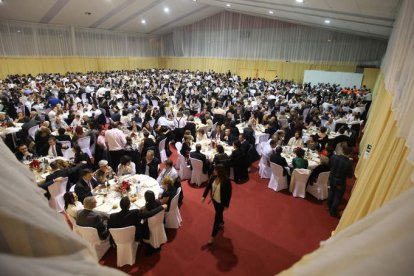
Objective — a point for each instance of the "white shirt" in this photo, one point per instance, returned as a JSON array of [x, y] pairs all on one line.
[[180, 122], [115, 139], [295, 142]]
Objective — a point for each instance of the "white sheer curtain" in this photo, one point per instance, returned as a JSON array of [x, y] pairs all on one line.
[[398, 68], [29, 39], [233, 35]]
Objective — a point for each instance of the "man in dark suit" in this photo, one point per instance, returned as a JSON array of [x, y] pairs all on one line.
[[54, 149], [128, 217], [150, 164], [86, 185], [278, 159], [248, 133], [28, 124], [244, 144], [228, 137], [200, 156], [57, 171], [62, 136], [23, 153], [88, 218]]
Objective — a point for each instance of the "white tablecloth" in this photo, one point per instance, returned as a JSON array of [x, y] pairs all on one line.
[[312, 157], [140, 183], [207, 149]]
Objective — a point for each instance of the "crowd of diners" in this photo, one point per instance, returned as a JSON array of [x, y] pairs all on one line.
[[114, 108]]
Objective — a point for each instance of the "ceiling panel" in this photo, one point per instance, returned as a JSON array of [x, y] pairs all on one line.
[[74, 12], [24, 10], [370, 17]]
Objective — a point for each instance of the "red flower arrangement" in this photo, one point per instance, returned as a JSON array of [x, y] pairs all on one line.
[[124, 187], [35, 164]]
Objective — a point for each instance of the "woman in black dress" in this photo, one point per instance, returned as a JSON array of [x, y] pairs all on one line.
[[219, 187]]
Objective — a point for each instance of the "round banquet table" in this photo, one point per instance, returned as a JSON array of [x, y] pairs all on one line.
[[208, 151], [107, 200], [311, 156], [259, 131]]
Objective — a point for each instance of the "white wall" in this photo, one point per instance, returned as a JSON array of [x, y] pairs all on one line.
[[345, 79]]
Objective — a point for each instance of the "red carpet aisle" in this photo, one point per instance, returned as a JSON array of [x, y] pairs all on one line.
[[265, 233]]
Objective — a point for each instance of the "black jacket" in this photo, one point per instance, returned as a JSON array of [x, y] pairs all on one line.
[[225, 191], [82, 189], [88, 218]]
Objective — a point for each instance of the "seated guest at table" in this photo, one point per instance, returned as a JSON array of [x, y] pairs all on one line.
[[168, 170], [150, 201], [186, 147], [60, 169], [28, 124], [278, 159], [41, 139], [299, 162], [312, 143], [330, 125], [89, 218], [239, 163], [77, 121], [190, 125], [150, 164], [63, 136], [221, 158], [248, 133], [72, 205], [217, 133], [322, 137], [127, 217], [244, 144], [296, 141], [342, 137], [79, 133], [238, 117], [104, 173], [272, 127], [126, 166], [86, 185], [201, 135], [169, 191], [228, 137], [58, 123], [148, 143], [23, 153], [323, 167], [54, 149], [200, 156], [81, 156]]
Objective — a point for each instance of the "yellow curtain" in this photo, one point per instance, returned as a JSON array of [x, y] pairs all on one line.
[[252, 68], [386, 172], [36, 65]]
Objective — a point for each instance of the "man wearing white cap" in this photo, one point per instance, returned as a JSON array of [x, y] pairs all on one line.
[[104, 173]]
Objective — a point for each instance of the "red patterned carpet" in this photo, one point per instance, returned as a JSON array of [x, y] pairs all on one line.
[[265, 233]]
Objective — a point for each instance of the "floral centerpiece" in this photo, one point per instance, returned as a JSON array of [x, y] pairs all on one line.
[[124, 187], [35, 164]]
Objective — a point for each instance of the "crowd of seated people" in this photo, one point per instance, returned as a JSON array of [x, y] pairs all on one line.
[[113, 109]]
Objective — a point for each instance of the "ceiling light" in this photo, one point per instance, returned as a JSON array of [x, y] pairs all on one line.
[[18, 31], [271, 12], [1, 1], [143, 21], [228, 5], [166, 10], [194, 0], [299, 1], [327, 21]]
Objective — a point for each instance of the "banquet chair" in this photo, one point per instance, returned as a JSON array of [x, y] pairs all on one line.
[[264, 170], [90, 234], [278, 181], [320, 188], [157, 231], [126, 246], [85, 143], [173, 217], [262, 142], [185, 170], [197, 175], [57, 190], [152, 122], [178, 146], [32, 131], [161, 148], [298, 182], [68, 152]]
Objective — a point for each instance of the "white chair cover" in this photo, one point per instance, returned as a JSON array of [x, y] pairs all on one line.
[[57, 190], [197, 175], [298, 182], [157, 230], [185, 171], [68, 152], [126, 246], [84, 144], [173, 217], [161, 148], [264, 170], [178, 146], [277, 181], [320, 188], [32, 131], [90, 234], [152, 122]]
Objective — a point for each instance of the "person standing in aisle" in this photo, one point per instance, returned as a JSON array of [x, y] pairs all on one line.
[[219, 187]]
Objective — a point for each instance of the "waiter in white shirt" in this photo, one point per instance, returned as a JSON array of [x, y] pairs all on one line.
[[115, 141]]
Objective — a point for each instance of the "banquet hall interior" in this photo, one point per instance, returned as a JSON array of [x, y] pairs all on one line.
[[206, 137]]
